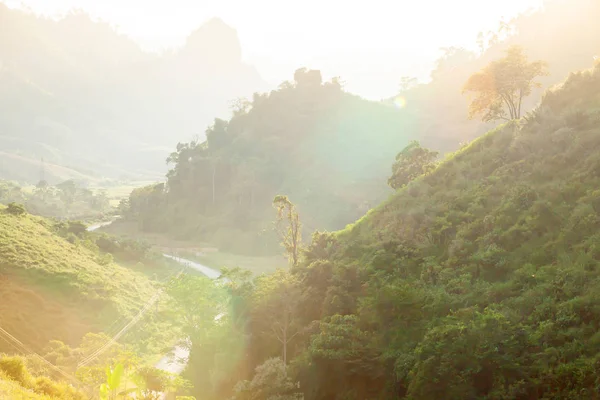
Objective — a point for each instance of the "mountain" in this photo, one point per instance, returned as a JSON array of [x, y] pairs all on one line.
[[479, 280], [84, 98], [327, 149]]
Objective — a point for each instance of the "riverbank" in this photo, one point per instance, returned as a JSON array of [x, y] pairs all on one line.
[[199, 252]]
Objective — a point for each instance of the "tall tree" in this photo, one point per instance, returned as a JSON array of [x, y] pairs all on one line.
[[288, 227], [500, 87]]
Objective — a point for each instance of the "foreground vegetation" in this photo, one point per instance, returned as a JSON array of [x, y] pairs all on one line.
[[16, 382]]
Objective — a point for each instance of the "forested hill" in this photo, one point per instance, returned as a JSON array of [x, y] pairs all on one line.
[[477, 281], [328, 150], [93, 104]]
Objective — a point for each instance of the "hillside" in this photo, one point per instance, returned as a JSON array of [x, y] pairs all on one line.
[[90, 102], [327, 149], [479, 280], [58, 285]]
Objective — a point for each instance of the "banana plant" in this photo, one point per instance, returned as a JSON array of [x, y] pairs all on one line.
[[109, 389]]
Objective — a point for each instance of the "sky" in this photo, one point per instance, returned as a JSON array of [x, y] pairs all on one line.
[[369, 44]]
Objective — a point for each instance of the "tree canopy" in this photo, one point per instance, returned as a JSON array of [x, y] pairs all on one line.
[[500, 87], [412, 162]]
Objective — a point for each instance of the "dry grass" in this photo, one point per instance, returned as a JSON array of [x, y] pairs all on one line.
[[36, 318]]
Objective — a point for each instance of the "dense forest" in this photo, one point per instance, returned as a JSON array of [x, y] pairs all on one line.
[[477, 280], [323, 147]]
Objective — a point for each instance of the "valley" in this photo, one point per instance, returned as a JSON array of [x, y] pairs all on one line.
[[174, 225]]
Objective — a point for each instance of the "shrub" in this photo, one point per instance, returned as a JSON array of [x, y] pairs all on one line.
[[16, 209], [105, 259], [14, 368]]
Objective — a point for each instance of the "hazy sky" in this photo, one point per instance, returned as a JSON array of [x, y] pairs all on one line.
[[369, 43]]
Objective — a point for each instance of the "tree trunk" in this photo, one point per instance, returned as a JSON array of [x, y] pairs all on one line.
[[285, 346], [213, 181], [285, 328]]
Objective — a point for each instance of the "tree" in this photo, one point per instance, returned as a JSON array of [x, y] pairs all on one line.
[[412, 162], [153, 384], [500, 87], [270, 382], [68, 190], [277, 298], [42, 189], [288, 227], [16, 209], [198, 302]]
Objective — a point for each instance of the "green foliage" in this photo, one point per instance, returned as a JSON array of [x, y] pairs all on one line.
[[152, 383], [270, 382], [215, 332], [30, 386], [16, 209], [14, 368], [108, 390], [413, 161], [326, 149], [478, 281]]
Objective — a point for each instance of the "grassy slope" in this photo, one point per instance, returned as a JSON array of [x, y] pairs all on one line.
[[52, 289], [507, 178], [16, 382]]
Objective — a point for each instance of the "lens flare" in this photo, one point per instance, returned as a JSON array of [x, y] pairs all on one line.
[[400, 102]]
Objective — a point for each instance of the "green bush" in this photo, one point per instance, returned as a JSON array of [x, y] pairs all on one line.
[[16, 209], [14, 368]]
